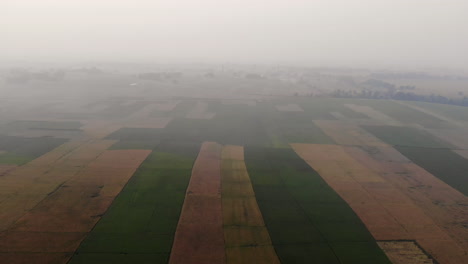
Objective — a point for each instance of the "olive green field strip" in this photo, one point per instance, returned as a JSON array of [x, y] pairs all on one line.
[[140, 224], [199, 236], [245, 234], [307, 220]]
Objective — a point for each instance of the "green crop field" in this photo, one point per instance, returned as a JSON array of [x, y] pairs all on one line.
[[299, 208], [332, 203], [140, 224]]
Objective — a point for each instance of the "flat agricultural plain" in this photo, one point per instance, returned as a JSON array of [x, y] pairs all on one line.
[[191, 172]]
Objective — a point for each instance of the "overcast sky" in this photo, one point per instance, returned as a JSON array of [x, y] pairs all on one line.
[[410, 33]]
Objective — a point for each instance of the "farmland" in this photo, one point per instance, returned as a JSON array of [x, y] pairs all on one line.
[[227, 170]]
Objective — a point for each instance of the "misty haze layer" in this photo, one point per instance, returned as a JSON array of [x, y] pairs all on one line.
[[351, 33]]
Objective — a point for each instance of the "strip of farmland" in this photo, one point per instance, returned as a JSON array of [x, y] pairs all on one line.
[[199, 236], [442, 163], [307, 220], [387, 212], [140, 224], [428, 152], [245, 234], [54, 228], [443, 204], [26, 186]]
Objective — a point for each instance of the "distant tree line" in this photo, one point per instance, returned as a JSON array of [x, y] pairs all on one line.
[[21, 76], [416, 75], [400, 95]]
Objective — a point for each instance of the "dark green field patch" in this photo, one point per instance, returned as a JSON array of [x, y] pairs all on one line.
[[406, 136], [304, 216], [405, 114], [308, 253], [444, 164], [134, 144], [143, 218], [20, 150]]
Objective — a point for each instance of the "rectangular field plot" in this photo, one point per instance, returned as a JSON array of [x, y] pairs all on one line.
[[406, 136], [246, 237], [140, 224], [450, 111], [445, 164], [307, 221], [20, 150], [199, 236], [405, 252], [405, 114]]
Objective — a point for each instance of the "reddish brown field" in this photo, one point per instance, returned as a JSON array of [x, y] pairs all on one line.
[[6, 168], [199, 236]]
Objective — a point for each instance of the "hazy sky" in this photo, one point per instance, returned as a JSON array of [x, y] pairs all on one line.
[[345, 32]]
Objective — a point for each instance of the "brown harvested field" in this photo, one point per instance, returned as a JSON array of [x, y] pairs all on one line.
[[150, 122], [380, 203], [200, 111], [199, 235], [289, 108], [62, 219], [257, 254], [375, 115], [49, 158], [142, 118], [37, 258], [348, 134], [245, 234], [233, 153], [25, 187], [241, 211], [6, 168], [405, 252], [443, 204], [99, 129]]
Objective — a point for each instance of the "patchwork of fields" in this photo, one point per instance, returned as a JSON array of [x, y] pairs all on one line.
[[220, 180]]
